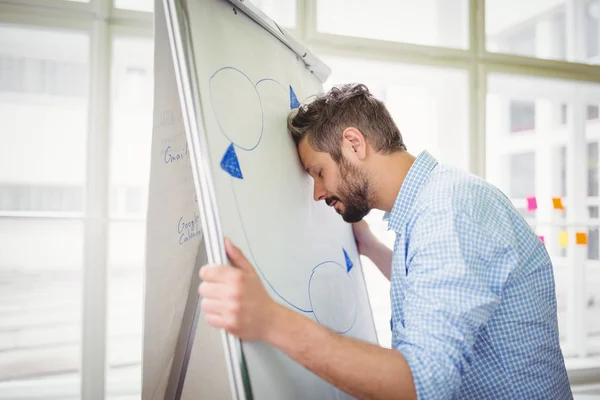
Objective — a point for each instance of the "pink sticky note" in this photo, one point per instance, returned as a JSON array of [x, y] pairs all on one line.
[[531, 203], [542, 239]]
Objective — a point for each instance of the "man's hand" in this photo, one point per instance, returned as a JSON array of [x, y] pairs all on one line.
[[365, 240], [369, 246], [234, 298]]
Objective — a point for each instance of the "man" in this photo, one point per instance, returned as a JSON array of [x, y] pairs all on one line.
[[472, 290]]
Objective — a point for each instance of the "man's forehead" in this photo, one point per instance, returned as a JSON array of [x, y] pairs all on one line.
[[305, 151]]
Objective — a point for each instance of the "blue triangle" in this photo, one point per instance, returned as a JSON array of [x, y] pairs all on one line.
[[294, 103], [230, 163], [349, 264]]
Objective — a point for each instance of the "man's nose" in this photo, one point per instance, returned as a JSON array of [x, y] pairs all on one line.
[[319, 192]]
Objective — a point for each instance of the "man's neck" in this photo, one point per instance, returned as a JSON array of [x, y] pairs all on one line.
[[387, 175]]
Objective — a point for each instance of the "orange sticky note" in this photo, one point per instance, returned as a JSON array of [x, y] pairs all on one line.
[[563, 239], [581, 238], [558, 204]]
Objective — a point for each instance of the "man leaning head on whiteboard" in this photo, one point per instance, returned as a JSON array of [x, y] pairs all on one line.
[[472, 290]]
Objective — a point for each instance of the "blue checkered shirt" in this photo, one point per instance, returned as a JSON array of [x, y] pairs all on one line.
[[472, 290]]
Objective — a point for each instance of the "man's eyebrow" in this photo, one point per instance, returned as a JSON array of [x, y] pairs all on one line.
[[307, 169]]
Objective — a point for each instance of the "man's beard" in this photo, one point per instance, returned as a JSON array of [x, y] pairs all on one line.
[[353, 193]]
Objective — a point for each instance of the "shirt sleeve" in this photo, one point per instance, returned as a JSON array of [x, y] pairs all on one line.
[[456, 269]]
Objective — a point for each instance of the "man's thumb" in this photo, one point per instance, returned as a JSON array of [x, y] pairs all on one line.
[[236, 256]]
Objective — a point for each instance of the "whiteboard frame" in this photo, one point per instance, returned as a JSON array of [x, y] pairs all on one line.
[[189, 97]]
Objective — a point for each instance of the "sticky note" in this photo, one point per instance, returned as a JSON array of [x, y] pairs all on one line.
[[542, 239], [531, 203], [558, 204], [563, 239], [581, 238]]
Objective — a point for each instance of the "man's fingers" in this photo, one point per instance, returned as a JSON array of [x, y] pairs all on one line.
[[213, 290], [218, 273], [236, 256], [215, 320], [211, 306]]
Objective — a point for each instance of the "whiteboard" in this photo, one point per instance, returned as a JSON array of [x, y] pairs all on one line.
[[243, 83]]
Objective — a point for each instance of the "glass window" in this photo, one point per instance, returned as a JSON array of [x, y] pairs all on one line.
[[40, 90], [522, 116], [533, 28], [592, 175], [426, 22], [43, 130], [130, 133], [539, 29], [522, 175], [281, 11], [593, 301], [592, 31], [131, 125], [135, 5]]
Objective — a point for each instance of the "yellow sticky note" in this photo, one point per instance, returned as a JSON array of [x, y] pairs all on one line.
[[558, 204], [581, 238], [563, 239]]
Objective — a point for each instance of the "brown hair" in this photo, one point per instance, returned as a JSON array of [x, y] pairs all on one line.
[[324, 120]]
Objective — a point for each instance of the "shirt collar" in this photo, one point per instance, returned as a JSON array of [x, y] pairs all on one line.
[[413, 182]]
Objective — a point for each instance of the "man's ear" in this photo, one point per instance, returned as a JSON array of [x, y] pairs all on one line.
[[354, 143]]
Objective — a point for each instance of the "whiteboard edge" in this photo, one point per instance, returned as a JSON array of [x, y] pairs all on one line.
[[190, 104]]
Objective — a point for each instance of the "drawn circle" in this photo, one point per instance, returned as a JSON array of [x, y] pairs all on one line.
[[237, 107], [332, 296]]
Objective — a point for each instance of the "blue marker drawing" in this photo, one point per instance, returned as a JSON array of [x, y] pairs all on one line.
[[294, 103], [232, 69], [349, 264], [231, 165]]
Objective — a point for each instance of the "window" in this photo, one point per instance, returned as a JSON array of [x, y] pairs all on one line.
[[539, 29], [522, 175], [592, 168], [43, 129], [131, 133], [592, 19], [428, 22], [522, 116], [136, 5], [21, 197]]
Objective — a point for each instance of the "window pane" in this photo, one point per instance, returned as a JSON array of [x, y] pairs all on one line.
[[430, 107], [136, 5], [43, 119], [131, 126], [130, 138], [43, 129], [126, 255], [426, 22], [521, 175], [592, 175], [539, 29], [522, 116], [593, 301], [40, 316], [281, 11], [592, 31]]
